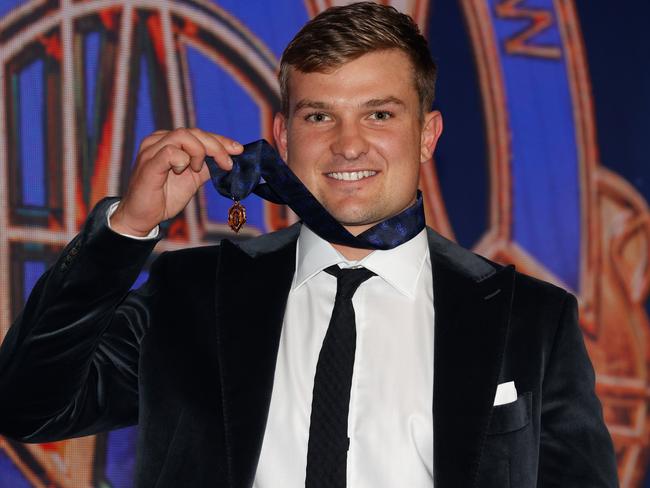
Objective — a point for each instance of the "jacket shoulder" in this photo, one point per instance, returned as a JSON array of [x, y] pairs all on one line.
[[210, 254], [479, 267], [531, 284]]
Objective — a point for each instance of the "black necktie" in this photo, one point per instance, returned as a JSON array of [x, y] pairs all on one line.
[[327, 449]]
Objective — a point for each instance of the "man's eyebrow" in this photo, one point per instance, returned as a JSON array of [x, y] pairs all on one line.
[[306, 103], [374, 102], [378, 102]]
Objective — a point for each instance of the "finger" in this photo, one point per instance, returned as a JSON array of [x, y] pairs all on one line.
[[192, 145], [204, 174], [185, 140], [195, 147], [220, 147], [232, 146], [151, 139], [197, 163], [172, 157]]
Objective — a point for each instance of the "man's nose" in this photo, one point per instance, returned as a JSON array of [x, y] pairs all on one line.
[[349, 142]]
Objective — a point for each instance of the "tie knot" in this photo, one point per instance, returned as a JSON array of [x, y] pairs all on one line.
[[348, 279]]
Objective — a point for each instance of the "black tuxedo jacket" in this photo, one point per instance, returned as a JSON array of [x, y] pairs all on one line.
[[190, 358]]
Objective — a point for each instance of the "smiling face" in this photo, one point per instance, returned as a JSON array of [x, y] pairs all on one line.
[[356, 137]]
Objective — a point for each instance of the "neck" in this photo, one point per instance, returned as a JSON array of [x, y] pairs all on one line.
[[352, 253]]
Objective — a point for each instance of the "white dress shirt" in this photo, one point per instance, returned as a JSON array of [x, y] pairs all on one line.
[[390, 422]]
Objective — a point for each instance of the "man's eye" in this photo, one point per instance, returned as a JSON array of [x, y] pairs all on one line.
[[382, 115], [317, 117]]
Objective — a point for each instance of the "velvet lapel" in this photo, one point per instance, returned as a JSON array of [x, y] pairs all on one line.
[[472, 300], [253, 286]]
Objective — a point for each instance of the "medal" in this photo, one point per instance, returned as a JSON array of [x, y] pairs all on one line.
[[236, 216]]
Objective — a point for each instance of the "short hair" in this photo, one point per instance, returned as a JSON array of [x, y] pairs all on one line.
[[344, 33]]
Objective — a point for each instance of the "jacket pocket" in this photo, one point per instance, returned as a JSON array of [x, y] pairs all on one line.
[[511, 416]]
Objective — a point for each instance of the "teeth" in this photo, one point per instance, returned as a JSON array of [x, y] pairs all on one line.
[[351, 175]]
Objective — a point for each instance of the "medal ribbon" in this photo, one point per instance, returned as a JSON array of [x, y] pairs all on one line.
[[261, 170]]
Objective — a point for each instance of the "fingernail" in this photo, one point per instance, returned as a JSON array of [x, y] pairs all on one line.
[[236, 145]]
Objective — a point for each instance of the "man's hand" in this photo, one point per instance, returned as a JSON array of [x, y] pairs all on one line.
[[169, 169]]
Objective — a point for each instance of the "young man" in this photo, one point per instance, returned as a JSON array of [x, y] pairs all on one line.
[[465, 373]]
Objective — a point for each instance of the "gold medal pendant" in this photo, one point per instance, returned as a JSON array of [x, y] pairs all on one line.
[[236, 216]]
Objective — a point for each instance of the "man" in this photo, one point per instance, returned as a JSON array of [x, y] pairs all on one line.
[[465, 372]]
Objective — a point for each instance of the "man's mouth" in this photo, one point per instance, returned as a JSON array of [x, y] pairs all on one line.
[[351, 175]]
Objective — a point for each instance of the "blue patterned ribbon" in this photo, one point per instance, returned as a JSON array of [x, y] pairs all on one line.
[[260, 170]]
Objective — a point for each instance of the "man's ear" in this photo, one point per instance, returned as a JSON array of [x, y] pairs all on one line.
[[280, 134], [431, 130]]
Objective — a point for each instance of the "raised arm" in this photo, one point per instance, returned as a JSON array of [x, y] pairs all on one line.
[[69, 363]]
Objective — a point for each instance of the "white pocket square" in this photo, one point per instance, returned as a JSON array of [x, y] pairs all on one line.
[[506, 393]]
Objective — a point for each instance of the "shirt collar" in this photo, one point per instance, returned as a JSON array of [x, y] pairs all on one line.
[[400, 267]]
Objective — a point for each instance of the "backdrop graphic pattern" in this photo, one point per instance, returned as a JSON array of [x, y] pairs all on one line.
[[82, 82]]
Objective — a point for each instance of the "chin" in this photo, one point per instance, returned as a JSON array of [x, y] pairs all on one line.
[[355, 220], [353, 213]]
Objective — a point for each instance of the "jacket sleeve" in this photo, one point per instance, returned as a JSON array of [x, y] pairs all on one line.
[[69, 363], [576, 448]]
